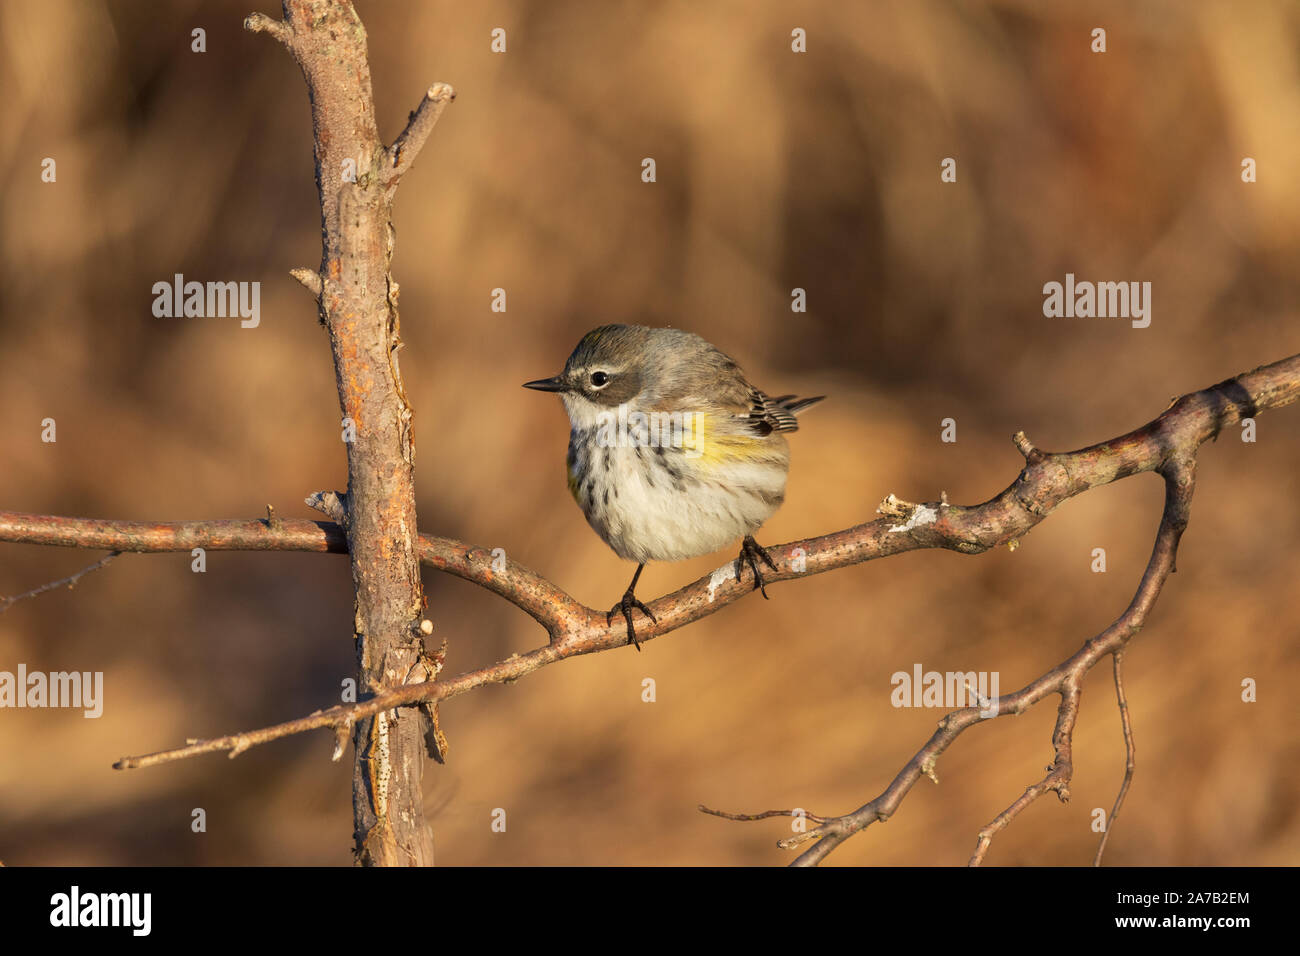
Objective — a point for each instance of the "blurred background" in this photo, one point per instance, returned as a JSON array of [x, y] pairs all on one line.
[[775, 170]]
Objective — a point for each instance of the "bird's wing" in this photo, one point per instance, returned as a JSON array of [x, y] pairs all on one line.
[[767, 414]]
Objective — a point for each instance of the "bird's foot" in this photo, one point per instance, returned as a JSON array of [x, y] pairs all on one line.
[[750, 553], [625, 607]]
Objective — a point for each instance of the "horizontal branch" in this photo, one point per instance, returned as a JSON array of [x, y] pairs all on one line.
[[1167, 445], [238, 534], [1047, 480]]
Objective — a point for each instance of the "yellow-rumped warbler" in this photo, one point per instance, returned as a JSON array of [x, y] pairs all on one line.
[[672, 453]]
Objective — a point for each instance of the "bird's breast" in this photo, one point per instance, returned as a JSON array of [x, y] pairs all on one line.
[[666, 502]]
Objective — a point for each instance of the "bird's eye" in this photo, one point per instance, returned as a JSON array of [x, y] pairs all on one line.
[[599, 379]]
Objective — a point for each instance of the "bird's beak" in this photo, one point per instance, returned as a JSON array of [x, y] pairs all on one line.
[[556, 384]]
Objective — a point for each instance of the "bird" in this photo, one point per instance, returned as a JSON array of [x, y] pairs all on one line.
[[672, 452]]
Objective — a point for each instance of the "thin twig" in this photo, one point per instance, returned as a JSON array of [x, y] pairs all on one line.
[[310, 280], [1130, 754], [1057, 779], [412, 139], [728, 815], [261, 23], [70, 582]]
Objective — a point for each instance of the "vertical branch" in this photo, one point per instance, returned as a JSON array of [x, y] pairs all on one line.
[[1130, 758], [357, 301]]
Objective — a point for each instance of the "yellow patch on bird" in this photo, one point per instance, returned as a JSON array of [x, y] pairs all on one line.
[[704, 443], [573, 483]]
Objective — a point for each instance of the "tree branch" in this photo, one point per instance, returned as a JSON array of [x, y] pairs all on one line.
[[311, 281], [357, 303], [70, 582], [1036, 492], [1130, 754], [408, 145], [279, 29], [1167, 445], [1066, 679]]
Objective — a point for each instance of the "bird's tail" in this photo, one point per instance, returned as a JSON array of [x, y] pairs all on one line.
[[781, 410], [795, 405]]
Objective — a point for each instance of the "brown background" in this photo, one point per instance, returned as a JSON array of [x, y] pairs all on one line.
[[775, 170]]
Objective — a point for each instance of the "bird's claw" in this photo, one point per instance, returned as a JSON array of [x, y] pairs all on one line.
[[750, 553], [625, 607]]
